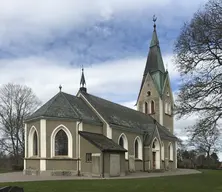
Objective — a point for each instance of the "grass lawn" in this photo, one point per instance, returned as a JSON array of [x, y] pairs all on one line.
[[208, 181]]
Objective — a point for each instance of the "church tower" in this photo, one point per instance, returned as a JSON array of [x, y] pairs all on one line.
[[155, 96]]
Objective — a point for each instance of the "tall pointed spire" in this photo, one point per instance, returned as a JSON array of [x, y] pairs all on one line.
[[154, 41], [154, 59], [83, 81], [154, 64]]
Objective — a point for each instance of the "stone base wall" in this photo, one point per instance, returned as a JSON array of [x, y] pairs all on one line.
[[50, 172]]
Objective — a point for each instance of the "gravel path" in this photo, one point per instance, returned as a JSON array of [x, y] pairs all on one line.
[[19, 177]]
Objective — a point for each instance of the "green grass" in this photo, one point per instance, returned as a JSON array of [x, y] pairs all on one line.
[[208, 181]]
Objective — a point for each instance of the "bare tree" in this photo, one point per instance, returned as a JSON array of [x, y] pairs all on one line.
[[204, 140], [16, 103], [198, 52]]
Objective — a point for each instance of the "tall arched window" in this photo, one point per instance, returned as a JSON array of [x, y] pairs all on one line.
[[138, 148], [61, 143], [169, 108], [170, 152], [162, 151], [121, 142], [146, 108], [124, 143], [166, 107], [35, 144], [152, 107]]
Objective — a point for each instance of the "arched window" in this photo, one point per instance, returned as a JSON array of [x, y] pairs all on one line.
[[152, 107], [61, 143], [148, 93], [166, 107], [138, 148], [170, 152], [169, 108], [35, 144], [156, 144], [146, 108], [162, 151], [124, 143], [121, 142]]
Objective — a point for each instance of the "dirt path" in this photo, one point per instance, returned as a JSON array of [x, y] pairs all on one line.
[[19, 177]]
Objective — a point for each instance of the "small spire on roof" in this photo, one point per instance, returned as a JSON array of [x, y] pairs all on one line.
[[82, 80], [154, 20], [60, 88]]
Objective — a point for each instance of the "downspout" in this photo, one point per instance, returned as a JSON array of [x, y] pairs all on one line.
[[78, 167]]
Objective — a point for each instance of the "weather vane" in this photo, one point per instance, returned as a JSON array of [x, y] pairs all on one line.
[[154, 20]]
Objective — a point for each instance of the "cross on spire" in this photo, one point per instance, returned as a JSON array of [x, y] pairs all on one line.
[[154, 20]]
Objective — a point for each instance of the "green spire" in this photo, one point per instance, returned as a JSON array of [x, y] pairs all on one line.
[[154, 64], [154, 60], [154, 41]]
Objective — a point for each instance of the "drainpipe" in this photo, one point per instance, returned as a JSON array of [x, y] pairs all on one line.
[[78, 167]]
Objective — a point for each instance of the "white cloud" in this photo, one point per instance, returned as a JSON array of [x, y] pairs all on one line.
[[122, 77], [43, 17]]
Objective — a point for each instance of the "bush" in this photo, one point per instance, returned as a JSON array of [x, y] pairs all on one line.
[[17, 167]]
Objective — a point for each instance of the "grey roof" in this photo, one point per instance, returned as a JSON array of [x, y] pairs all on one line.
[[102, 142], [119, 115], [165, 133], [68, 106]]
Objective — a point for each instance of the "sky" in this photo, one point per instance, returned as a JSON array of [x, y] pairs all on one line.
[[44, 43]]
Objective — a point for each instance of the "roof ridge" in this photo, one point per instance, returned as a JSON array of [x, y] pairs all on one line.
[[63, 94]]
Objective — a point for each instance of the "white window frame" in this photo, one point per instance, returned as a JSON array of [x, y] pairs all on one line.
[[170, 148], [169, 108], [125, 143], [166, 107], [31, 140], [140, 148], [70, 141], [162, 151]]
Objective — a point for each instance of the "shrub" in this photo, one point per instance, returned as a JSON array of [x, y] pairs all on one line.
[[17, 167]]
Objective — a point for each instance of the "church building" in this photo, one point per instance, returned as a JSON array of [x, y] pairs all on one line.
[[84, 134]]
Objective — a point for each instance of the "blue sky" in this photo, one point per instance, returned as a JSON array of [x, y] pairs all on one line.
[[43, 43]]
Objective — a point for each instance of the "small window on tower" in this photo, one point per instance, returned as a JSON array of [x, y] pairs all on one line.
[[146, 108], [167, 94], [148, 93], [152, 107]]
